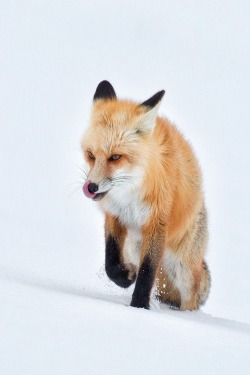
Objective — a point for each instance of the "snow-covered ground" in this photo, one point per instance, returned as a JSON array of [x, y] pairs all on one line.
[[59, 312], [49, 330]]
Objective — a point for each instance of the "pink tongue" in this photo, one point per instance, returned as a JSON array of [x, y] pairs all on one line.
[[86, 190]]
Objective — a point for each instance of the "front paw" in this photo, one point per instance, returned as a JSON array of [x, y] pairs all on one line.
[[140, 302], [122, 276]]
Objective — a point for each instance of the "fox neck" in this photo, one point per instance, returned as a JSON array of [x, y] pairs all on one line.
[[133, 202], [126, 202]]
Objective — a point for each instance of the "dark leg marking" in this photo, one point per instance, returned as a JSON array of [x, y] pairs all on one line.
[[143, 284], [113, 266]]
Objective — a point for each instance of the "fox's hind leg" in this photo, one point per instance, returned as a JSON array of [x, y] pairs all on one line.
[[121, 274], [184, 263], [199, 288], [166, 291], [190, 279]]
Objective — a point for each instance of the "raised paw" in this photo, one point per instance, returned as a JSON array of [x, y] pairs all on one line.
[[131, 271], [123, 276]]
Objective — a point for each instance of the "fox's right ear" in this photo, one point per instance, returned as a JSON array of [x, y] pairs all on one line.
[[104, 91]]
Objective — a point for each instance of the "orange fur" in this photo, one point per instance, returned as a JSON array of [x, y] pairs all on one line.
[[171, 189]]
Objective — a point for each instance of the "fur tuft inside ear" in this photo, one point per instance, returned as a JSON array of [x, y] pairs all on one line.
[[147, 119], [104, 91]]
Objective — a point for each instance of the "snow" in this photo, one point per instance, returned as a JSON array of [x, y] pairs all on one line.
[[59, 312], [67, 331]]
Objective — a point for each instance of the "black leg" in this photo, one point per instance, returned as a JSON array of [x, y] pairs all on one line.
[[144, 283], [114, 268]]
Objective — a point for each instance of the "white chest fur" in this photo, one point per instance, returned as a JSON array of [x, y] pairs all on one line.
[[125, 202], [128, 207]]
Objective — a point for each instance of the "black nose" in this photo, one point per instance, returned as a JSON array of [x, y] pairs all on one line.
[[93, 187]]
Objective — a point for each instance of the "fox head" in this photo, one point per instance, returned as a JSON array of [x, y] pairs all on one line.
[[117, 142]]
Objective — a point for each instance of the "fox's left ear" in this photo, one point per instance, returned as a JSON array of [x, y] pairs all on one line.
[[151, 107]]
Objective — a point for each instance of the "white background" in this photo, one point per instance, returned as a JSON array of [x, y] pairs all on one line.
[[52, 56]]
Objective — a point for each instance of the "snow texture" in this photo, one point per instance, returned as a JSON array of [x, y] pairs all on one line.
[[59, 312]]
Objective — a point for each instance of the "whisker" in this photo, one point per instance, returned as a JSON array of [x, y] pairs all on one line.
[[121, 178], [82, 170], [76, 182], [75, 190], [115, 181]]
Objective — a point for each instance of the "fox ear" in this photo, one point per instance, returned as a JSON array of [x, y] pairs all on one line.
[[154, 100], [104, 91], [147, 120]]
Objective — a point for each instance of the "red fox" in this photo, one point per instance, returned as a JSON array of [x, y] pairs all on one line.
[[147, 181]]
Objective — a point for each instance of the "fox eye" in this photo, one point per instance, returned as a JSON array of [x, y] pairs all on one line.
[[114, 157], [90, 155]]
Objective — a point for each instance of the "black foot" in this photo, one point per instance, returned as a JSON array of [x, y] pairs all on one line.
[[121, 276], [140, 302]]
